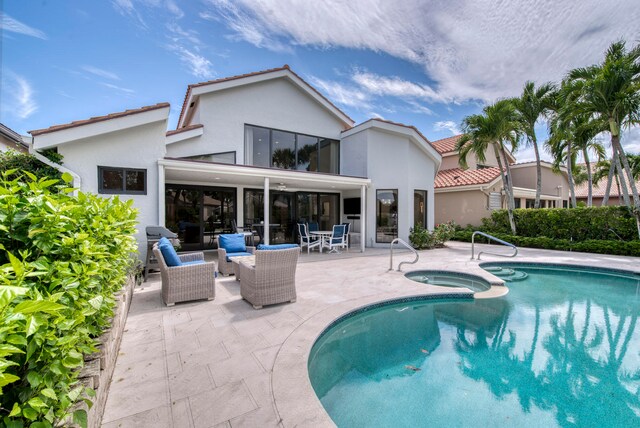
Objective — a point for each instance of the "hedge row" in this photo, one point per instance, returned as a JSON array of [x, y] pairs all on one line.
[[623, 248], [576, 224], [62, 259]]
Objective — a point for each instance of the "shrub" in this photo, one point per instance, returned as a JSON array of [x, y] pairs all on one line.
[[62, 258], [422, 239], [577, 224], [20, 162], [622, 248]]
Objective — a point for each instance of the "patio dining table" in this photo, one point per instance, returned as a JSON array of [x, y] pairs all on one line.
[[324, 235]]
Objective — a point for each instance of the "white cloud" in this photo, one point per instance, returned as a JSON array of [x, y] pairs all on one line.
[[126, 8], [118, 88], [198, 65], [19, 101], [253, 29], [448, 125], [470, 49], [100, 72], [419, 108], [8, 23], [177, 34], [342, 94], [630, 140], [395, 86]]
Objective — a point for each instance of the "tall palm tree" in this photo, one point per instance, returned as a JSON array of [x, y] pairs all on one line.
[[496, 127], [611, 91], [533, 104]]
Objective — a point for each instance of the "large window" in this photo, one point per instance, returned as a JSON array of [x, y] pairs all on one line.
[[113, 180], [420, 208], [386, 215], [288, 150]]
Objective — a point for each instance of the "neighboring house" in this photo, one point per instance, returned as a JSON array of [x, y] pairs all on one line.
[[598, 190], [11, 140], [466, 196], [259, 149]]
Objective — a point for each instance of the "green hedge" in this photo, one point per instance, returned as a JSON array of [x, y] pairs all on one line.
[[623, 248], [421, 238], [62, 258], [578, 224]]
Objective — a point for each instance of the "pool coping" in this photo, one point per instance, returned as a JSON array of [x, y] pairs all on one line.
[[295, 400]]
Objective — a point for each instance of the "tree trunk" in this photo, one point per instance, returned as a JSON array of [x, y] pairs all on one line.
[[605, 199], [505, 186], [538, 172], [622, 182], [615, 142], [589, 178], [572, 189]]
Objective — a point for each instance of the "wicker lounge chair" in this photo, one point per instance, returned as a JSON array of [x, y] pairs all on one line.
[[187, 282], [225, 266], [273, 277]]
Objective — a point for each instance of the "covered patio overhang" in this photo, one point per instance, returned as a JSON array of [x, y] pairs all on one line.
[[187, 171]]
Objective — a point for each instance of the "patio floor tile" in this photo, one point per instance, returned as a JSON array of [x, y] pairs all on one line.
[[220, 404], [160, 417], [128, 399], [192, 380], [235, 369]]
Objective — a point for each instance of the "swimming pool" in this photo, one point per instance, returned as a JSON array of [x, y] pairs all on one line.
[[561, 349]]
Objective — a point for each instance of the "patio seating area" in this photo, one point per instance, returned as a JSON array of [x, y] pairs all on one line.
[[211, 363]]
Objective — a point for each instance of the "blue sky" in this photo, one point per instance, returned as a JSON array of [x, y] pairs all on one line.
[[421, 62]]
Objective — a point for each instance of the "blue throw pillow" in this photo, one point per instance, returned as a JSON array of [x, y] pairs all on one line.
[[164, 241], [264, 247], [232, 243], [169, 253]]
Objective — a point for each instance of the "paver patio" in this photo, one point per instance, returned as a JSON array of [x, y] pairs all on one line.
[[210, 363]]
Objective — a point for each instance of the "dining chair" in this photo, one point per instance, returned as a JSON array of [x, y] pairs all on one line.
[[305, 239], [337, 239]]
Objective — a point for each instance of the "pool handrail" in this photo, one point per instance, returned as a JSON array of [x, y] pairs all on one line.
[[401, 241], [499, 241]]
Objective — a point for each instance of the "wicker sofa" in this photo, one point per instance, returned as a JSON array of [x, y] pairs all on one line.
[[188, 282], [272, 279], [225, 267]]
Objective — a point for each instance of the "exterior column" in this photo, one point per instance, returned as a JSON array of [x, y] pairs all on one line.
[[161, 194], [240, 206], [363, 217], [266, 229]]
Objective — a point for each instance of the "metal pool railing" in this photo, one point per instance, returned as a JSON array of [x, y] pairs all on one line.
[[493, 238], [400, 241]]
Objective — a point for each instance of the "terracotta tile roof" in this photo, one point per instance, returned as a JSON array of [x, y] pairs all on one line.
[[98, 119], [242, 76], [446, 145], [582, 190], [465, 177], [186, 128]]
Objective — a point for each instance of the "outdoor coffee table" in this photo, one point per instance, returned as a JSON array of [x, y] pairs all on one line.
[[236, 264]]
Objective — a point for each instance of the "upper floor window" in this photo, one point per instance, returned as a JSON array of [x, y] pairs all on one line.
[[129, 181], [287, 150]]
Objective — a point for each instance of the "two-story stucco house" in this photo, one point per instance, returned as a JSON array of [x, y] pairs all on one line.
[[466, 196], [264, 148]]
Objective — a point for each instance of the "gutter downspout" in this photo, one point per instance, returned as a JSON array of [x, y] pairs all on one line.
[[77, 181]]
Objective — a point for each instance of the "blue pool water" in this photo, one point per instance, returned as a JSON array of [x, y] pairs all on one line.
[[562, 348]]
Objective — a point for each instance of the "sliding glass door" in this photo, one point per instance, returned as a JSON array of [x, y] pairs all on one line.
[[198, 213]]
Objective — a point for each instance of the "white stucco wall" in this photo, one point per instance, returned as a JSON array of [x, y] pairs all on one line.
[[277, 104], [395, 162], [138, 147], [354, 155]]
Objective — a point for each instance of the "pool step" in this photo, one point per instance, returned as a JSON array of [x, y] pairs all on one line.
[[507, 274]]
